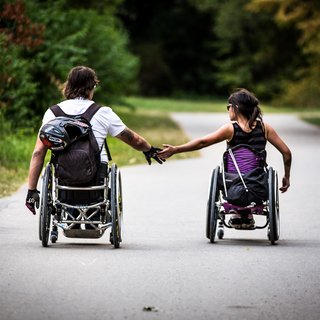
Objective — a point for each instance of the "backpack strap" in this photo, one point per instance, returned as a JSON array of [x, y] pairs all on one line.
[[90, 112], [238, 170], [57, 111]]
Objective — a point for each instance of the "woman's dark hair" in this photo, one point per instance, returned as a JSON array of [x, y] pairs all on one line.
[[81, 80], [247, 104]]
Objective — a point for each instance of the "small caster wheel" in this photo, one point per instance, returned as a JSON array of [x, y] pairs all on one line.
[[111, 238], [220, 234], [54, 236]]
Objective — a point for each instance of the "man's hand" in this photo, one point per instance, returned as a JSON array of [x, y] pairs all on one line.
[[153, 153], [33, 200]]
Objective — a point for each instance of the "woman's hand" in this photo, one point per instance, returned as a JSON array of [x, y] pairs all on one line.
[[285, 184], [167, 152]]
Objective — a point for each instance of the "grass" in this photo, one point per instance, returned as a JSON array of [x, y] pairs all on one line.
[[313, 118], [15, 152], [196, 105]]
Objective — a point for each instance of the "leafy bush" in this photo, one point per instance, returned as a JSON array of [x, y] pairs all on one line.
[[32, 74]]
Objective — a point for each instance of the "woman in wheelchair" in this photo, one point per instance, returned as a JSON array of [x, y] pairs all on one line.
[[246, 128]]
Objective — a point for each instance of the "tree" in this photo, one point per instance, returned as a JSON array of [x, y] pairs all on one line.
[[304, 16], [17, 35], [70, 35], [173, 40], [252, 51]]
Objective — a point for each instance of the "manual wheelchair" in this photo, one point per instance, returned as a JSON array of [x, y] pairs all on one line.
[[81, 212], [218, 207]]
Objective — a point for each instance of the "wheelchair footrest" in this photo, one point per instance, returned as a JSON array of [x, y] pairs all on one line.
[[79, 233]]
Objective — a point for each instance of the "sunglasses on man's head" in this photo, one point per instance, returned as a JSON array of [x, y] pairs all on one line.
[[229, 106]]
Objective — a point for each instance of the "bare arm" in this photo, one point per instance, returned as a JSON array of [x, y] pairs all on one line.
[[223, 133], [36, 164], [276, 141], [134, 140]]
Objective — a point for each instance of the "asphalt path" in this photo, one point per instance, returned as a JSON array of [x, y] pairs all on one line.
[[166, 268]]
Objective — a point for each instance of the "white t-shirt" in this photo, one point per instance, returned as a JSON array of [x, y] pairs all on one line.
[[104, 122]]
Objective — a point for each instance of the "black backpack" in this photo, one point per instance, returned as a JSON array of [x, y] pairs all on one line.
[[79, 162]]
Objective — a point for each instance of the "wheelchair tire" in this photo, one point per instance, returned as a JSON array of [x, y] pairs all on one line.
[[45, 206], [116, 206], [273, 207], [212, 209]]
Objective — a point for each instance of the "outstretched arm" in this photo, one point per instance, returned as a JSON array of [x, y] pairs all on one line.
[[134, 140], [223, 133], [139, 143], [275, 140]]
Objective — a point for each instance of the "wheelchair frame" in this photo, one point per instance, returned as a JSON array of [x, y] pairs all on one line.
[[218, 208], [54, 212]]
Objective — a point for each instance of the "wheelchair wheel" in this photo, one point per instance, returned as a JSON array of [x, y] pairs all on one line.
[[212, 209], [273, 206], [45, 206], [116, 206]]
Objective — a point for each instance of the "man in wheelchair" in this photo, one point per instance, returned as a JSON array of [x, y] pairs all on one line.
[[248, 129], [78, 91]]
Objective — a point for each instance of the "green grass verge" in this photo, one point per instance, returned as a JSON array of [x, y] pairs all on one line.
[[313, 118], [15, 152], [196, 105]]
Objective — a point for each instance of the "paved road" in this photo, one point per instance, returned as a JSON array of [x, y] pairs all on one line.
[[166, 262]]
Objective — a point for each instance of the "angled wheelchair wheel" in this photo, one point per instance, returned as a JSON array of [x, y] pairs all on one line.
[[212, 209], [116, 206], [45, 206], [273, 207]]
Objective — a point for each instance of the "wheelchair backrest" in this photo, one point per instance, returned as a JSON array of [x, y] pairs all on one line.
[[85, 197], [246, 157]]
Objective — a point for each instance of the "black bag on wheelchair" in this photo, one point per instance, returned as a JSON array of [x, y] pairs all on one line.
[[248, 187], [75, 151], [255, 189]]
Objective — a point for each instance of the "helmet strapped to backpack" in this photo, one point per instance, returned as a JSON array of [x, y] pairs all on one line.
[[60, 132], [75, 151]]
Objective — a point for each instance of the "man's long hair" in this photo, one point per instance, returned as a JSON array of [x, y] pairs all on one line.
[[80, 82]]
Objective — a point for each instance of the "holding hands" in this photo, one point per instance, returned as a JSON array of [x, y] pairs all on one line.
[[153, 154], [160, 155], [167, 152]]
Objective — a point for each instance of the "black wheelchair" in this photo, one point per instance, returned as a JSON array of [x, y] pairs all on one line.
[[218, 206], [82, 211]]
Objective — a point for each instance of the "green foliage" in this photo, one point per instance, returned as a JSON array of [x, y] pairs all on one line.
[[173, 40], [304, 17], [33, 75], [248, 49], [16, 86]]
